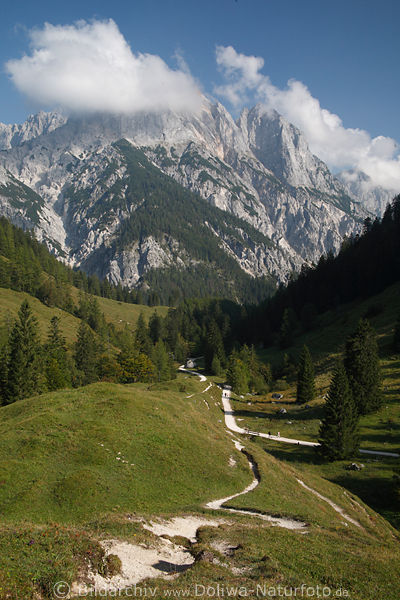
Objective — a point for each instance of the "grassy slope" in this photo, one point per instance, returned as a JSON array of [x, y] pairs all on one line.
[[118, 313], [121, 313], [380, 431], [53, 466], [61, 491], [10, 302]]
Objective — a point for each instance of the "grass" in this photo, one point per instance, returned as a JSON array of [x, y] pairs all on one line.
[[378, 431], [120, 314], [10, 302], [62, 454], [62, 491]]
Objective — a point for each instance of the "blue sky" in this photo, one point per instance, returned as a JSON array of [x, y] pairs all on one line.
[[344, 52]]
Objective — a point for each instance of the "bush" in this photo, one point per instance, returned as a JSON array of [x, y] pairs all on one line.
[[112, 566], [281, 384]]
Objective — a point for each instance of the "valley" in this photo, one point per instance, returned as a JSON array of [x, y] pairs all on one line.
[[199, 358]]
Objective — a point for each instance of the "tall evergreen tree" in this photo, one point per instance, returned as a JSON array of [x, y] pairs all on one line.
[[305, 378], [23, 378], [163, 365], [238, 375], [216, 366], [155, 327], [56, 362], [338, 432], [86, 354], [363, 369], [142, 338], [214, 345], [287, 328]]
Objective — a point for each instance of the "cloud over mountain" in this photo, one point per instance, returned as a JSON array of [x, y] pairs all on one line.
[[89, 67], [335, 144]]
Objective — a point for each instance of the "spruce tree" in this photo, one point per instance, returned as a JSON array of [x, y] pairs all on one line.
[[86, 354], [163, 365], [363, 369], [305, 378], [287, 328], [338, 434], [155, 327], [214, 345], [238, 375], [56, 362], [23, 373], [216, 366], [142, 338]]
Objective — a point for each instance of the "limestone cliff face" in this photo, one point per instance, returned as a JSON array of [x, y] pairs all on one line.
[[67, 179], [373, 197]]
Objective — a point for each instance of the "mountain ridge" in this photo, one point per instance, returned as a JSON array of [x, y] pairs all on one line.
[[258, 169]]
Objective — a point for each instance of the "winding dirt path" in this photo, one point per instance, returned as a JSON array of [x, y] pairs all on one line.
[[231, 424], [277, 521]]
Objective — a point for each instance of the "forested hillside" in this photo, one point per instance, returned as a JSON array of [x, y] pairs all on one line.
[[365, 266]]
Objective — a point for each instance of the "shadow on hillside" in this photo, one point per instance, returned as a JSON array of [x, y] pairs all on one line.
[[306, 414], [294, 454], [379, 493]]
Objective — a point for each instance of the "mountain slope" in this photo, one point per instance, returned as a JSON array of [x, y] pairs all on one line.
[[144, 222], [100, 463], [260, 170], [359, 185]]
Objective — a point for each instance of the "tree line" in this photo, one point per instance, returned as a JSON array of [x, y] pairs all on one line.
[[26, 265], [365, 265], [355, 390], [29, 367]]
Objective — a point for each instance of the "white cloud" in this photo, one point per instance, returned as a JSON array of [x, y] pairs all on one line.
[[338, 146], [89, 67]]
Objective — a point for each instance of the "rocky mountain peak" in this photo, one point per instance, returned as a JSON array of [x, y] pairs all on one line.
[[283, 149], [34, 126], [359, 185], [79, 188]]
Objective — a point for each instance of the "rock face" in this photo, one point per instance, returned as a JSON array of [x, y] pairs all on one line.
[[359, 185], [35, 125], [71, 182]]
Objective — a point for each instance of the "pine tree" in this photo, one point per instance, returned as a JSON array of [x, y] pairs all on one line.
[[237, 375], [363, 369], [214, 345], [305, 378], [23, 378], [216, 366], [86, 354], [181, 349], [287, 328], [56, 362], [155, 327], [163, 365], [338, 432], [142, 339]]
